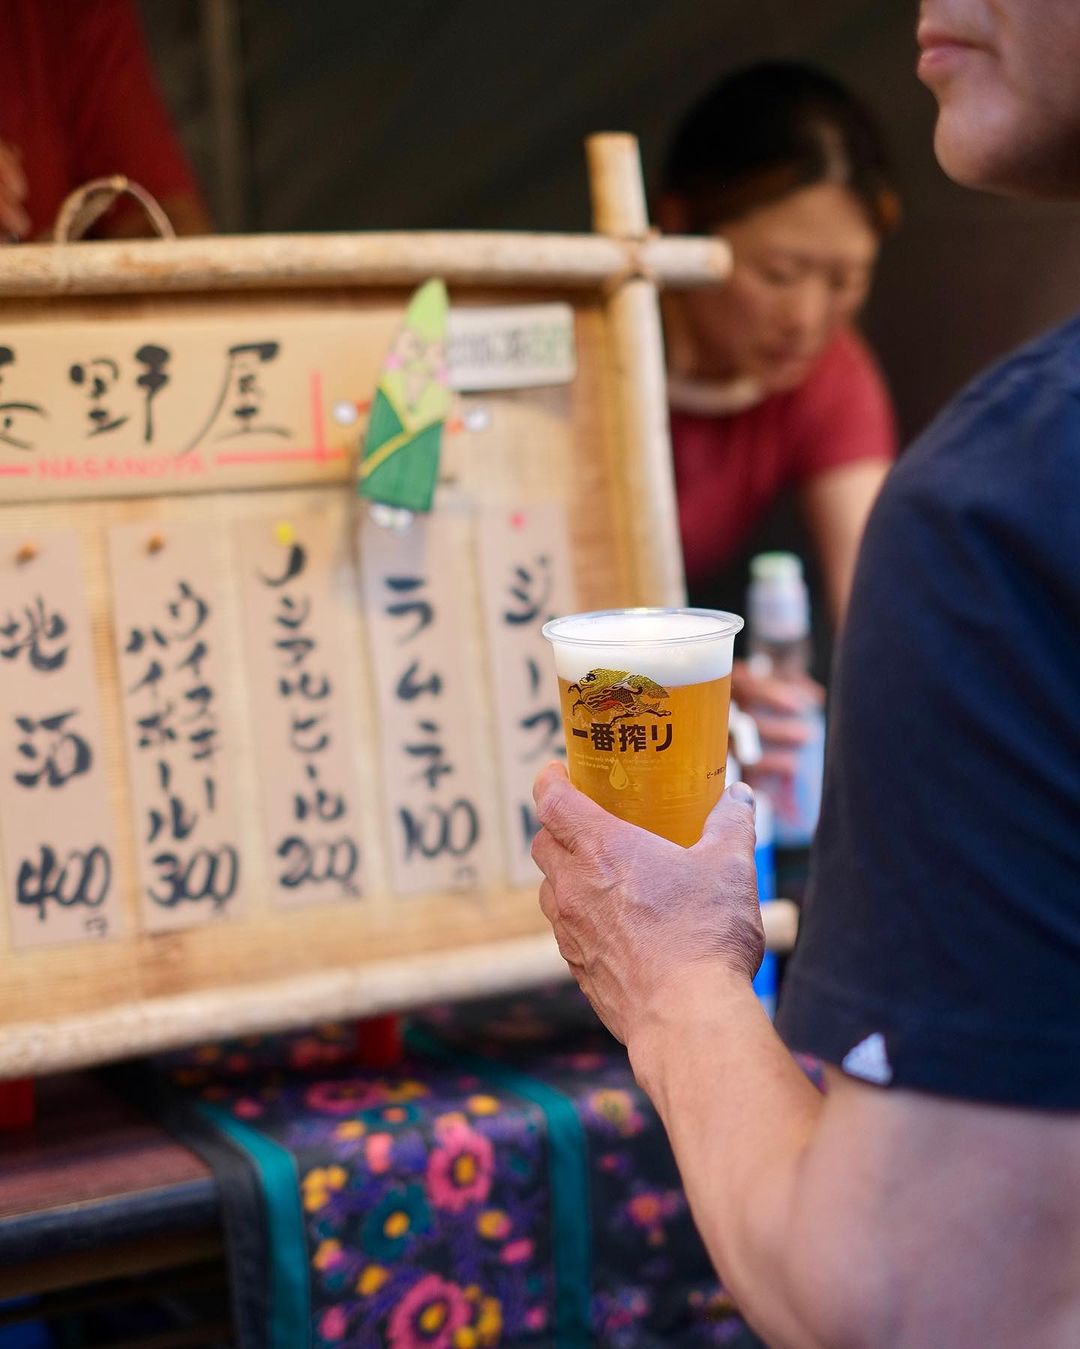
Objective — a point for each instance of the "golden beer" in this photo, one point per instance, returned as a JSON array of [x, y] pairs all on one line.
[[644, 696]]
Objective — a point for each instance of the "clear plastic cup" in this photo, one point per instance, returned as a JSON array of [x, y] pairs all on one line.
[[644, 696]]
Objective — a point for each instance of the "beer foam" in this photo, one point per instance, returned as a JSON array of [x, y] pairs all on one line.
[[672, 648]]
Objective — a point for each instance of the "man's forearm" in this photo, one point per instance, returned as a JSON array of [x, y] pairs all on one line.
[[740, 1115]]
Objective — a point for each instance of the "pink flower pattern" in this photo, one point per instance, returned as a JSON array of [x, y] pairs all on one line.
[[459, 1170], [378, 1149], [428, 1316], [344, 1096], [333, 1324]]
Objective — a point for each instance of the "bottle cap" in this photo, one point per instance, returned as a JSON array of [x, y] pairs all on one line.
[[776, 567]]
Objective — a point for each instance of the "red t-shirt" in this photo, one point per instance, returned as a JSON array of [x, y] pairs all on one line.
[[78, 99], [729, 469]]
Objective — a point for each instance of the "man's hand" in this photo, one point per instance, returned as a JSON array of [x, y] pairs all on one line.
[[633, 912], [14, 222]]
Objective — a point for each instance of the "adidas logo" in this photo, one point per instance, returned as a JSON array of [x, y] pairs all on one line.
[[869, 1061]]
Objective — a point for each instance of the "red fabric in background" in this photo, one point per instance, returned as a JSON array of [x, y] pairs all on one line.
[[79, 100], [730, 469]]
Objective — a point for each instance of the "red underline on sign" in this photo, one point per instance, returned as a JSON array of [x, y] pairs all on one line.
[[15, 470], [320, 452], [278, 456]]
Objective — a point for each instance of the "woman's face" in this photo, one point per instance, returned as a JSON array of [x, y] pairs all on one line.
[[803, 267]]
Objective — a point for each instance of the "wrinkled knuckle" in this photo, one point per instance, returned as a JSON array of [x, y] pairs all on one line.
[[744, 828], [740, 871], [551, 810], [567, 947], [607, 872]]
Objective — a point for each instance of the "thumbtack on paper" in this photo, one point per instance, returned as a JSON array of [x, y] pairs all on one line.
[[26, 553], [155, 543], [477, 419], [284, 533]]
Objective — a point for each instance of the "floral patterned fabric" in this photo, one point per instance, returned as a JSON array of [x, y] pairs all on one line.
[[426, 1190]]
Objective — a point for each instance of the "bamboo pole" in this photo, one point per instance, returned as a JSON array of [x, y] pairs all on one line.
[[219, 33], [262, 262], [637, 345]]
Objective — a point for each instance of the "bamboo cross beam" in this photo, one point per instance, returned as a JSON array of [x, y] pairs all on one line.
[[32, 1048], [561, 261]]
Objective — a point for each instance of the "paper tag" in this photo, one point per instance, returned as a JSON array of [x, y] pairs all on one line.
[[294, 590], [526, 575], [60, 867], [169, 637], [520, 347], [430, 741]]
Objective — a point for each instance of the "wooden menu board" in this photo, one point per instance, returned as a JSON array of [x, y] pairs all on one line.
[[261, 761]]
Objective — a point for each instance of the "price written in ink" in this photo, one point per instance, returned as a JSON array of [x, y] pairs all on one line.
[[57, 828], [295, 617], [433, 745], [169, 637]]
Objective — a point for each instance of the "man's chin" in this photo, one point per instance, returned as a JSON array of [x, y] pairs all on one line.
[[986, 152], [959, 154]]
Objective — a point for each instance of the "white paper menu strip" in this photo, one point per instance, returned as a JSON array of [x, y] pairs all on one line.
[[169, 634], [59, 848], [293, 594], [432, 748], [526, 579]]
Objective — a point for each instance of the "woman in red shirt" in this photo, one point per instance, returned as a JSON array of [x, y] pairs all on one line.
[[770, 385]]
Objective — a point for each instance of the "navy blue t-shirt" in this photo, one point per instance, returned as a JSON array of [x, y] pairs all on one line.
[[940, 942]]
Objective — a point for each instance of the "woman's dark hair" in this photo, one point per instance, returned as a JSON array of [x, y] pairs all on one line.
[[770, 130]]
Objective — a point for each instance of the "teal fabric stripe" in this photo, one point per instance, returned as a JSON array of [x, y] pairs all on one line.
[[290, 1296], [570, 1208]]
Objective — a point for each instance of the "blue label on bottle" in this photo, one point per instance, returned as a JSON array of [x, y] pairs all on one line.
[[765, 865]]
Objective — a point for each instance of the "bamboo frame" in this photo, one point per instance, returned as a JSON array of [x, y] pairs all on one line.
[[613, 277], [637, 344], [258, 262]]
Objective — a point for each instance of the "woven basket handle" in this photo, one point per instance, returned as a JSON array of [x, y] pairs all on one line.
[[87, 204]]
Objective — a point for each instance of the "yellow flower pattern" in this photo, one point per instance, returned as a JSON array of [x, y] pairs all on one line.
[[319, 1184], [371, 1279]]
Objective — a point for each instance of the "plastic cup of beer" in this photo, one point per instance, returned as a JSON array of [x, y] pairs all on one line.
[[644, 696]]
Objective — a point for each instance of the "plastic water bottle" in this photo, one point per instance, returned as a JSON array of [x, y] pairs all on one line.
[[778, 608], [767, 977]]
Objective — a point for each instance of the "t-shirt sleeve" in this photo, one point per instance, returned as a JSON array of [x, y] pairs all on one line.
[[842, 414], [117, 122], [940, 942]]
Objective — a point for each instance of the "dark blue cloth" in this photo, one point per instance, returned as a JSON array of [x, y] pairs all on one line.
[[941, 935]]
